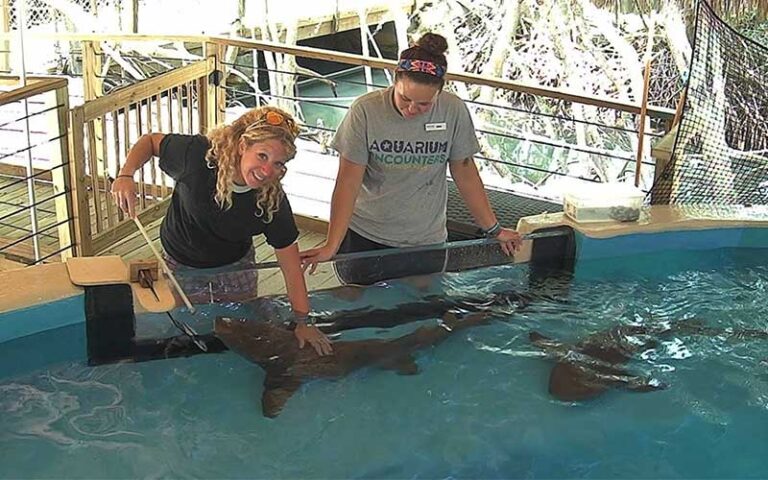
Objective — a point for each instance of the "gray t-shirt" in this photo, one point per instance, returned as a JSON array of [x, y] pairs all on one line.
[[403, 198]]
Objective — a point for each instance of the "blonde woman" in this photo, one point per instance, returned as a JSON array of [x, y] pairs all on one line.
[[227, 191]]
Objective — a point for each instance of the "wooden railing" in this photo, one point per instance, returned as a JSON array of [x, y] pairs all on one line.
[[104, 129]]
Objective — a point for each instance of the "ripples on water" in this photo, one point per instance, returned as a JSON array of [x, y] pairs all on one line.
[[479, 407]]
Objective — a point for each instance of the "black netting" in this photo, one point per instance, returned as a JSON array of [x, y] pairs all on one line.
[[721, 152]]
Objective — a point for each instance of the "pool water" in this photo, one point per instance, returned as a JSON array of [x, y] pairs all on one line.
[[330, 108], [479, 407]]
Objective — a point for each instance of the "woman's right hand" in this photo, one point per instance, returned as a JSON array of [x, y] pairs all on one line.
[[311, 334], [124, 193], [310, 258]]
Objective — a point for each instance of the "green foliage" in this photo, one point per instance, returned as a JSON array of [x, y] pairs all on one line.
[[509, 150], [753, 26]]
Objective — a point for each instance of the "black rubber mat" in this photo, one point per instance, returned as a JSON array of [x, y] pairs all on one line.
[[509, 209]]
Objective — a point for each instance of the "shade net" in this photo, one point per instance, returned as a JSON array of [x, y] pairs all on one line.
[[721, 151]]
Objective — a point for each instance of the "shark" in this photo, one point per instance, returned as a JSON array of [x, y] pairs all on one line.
[[432, 306], [274, 348], [589, 368]]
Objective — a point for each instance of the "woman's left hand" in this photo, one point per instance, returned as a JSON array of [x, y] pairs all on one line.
[[310, 333], [510, 240]]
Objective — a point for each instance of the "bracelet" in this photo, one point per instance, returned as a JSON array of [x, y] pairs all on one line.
[[493, 231], [125, 176], [305, 318]]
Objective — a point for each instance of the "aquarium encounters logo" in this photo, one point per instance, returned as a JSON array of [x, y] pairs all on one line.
[[402, 154]]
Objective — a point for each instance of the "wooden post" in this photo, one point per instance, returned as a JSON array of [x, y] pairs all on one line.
[[679, 110], [202, 104], [221, 90], [80, 210], [62, 179], [208, 91], [135, 16], [92, 84], [5, 27], [93, 87], [190, 86], [641, 128]]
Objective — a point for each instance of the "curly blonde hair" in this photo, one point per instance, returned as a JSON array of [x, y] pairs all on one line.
[[224, 152]]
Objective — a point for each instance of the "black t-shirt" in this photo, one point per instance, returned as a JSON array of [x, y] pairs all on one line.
[[196, 231]]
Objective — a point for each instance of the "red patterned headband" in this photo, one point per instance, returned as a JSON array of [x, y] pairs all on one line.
[[423, 66]]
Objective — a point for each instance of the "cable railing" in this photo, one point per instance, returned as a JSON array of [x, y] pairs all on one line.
[[566, 125], [618, 155], [105, 126], [38, 177], [36, 222], [213, 42], [336, 79]]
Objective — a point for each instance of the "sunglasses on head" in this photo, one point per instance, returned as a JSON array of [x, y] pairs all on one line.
[[273, 119]]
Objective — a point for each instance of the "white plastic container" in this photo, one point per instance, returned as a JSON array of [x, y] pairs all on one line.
[[604, 202]]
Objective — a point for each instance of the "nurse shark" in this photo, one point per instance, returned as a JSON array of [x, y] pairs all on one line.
[[274, 348], [589, 368]]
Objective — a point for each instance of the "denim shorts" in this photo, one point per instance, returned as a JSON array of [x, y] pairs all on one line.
[[236, 282]]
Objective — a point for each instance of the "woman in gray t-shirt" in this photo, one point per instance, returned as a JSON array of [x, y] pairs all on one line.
[[394, 146]]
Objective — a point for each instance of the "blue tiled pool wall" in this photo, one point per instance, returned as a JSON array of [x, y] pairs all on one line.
[[23, 330], [68, 346], [654, 255], [41, 318], [639, 243]]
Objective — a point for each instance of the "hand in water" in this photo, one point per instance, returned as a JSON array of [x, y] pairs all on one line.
[[312, 335]]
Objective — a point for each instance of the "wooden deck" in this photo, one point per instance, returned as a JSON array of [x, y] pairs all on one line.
[[16, 223], [15, 226]]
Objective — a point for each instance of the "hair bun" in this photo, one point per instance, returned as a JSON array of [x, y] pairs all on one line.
[[433, 43]]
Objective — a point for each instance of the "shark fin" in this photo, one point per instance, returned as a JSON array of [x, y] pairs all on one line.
[[404, 365], [542, 341], [277, 391], [642, 385], [571, 383]]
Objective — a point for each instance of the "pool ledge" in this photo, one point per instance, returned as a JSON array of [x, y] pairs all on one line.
[[731, 222], [40, 284], [36, 285], [657, 218], [36, 299]]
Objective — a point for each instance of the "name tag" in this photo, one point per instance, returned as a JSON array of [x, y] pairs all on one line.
[[434, 127]]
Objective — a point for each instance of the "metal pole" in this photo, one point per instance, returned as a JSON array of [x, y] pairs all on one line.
[[480, 242], [641, 129], [30, 169]]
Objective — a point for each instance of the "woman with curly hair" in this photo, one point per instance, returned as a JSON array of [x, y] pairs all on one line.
[[227, 190], [395, 146]]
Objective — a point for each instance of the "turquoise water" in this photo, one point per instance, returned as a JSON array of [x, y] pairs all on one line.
[[479, 407], [329, 108]]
